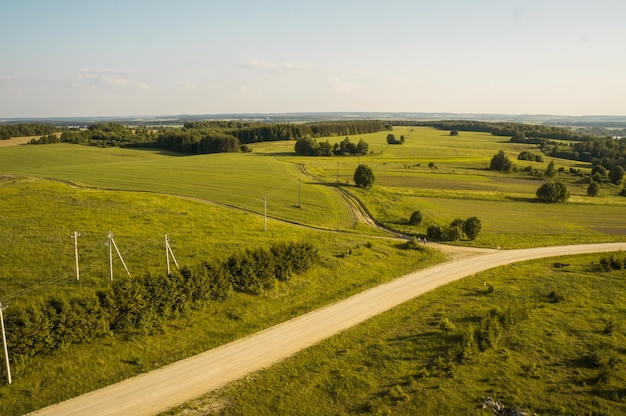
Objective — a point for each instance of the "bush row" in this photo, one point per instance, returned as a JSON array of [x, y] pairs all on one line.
[[145, 303]]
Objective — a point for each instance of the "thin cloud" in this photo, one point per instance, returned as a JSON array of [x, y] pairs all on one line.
[[340, 86], [270, 66], [107, 80]]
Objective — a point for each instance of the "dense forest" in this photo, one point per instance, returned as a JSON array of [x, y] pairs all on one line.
[[26, 129]]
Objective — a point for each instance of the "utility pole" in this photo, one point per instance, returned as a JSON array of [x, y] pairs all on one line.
[[4, 342], [75, 237], [111, 244], [168, 251]]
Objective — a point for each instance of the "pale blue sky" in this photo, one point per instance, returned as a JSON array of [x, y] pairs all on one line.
[[119, 58]]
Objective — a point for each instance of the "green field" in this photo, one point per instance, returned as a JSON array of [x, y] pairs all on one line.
[[211, 206], [565, 358]]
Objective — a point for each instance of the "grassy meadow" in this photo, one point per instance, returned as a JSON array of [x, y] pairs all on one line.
[[213, 205], [565, 358]]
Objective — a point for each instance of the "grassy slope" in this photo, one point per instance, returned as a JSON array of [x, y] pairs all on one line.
[[241, 180], [39, 217], [547, 364]]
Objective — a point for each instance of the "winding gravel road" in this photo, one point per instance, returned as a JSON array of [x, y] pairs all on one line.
[[159, 390]]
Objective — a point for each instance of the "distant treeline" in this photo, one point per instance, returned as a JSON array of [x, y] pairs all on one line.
[[503, 129], [145, 303], [211, 136], [26, 129]]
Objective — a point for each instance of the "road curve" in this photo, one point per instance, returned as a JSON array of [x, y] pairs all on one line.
[[161, 389]]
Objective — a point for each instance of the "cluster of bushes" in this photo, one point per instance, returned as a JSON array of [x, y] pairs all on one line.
[[613, 261], [391, 139], [526, 155], [308, 146], [487, 334], [145, 303], [470, 228], [553, 191]]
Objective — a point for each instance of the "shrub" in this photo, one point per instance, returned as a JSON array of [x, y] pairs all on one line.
[[501, 162], [472, 227], [434, 232], [416, 218], [593, 189], [553, 192]]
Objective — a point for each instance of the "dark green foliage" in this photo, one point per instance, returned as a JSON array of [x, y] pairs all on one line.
[[593, 189], [454, 132], [472, 227], [146, 303], [25, 129], [391, 139], [553, 192], [501, 162], [458, 228], [416, 218], [613, 261], [526, 155], [616, 175], [364, 176], [550, 170], [434, 232]]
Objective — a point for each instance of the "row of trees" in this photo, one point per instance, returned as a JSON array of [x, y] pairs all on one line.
[[25, 129], [308, 146], [247, 132], [458, 228], [145, 303]]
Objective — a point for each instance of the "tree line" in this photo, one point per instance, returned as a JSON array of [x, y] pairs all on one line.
[[502, 129], [196, 137], [25, 129], [145, 303]]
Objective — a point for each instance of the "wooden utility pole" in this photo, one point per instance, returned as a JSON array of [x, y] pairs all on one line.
[[4, 342]]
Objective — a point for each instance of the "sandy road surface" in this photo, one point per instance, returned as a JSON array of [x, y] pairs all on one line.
[[177, 383]]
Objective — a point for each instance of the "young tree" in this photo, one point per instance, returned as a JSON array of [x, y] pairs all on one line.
[[364, 176], [551, 170], [553, 192], [501, 162], [593, 189]]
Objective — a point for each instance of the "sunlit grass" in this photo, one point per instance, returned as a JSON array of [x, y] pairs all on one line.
[[391, 365]]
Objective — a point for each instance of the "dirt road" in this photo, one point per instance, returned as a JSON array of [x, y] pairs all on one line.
[[161, 389]]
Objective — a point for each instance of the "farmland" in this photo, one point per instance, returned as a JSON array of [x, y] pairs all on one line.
[[214, 205]]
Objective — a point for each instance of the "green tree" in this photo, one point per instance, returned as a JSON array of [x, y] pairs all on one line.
[[551, 170], [616, 175], [553, 192], [454, 132], [416, 218], [472, 227], [501, 162], [364, 176], [593, 189]]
